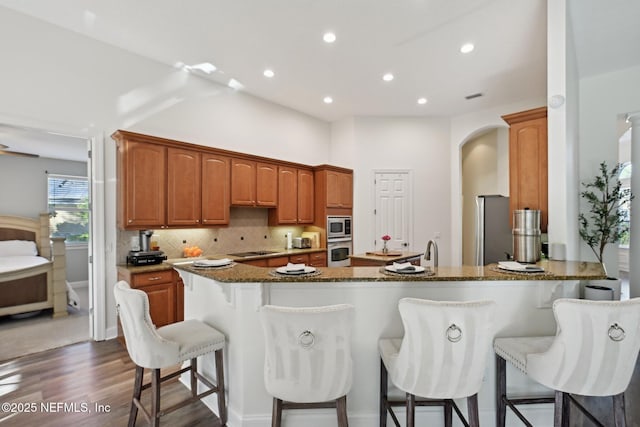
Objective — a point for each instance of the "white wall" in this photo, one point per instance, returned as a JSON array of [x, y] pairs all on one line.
[[58, 80], [602, 99], [366, 144]]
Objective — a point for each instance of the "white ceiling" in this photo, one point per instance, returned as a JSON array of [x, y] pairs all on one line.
[[417, 40]]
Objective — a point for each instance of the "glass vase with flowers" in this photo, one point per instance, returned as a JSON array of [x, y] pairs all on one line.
[[385, 239]]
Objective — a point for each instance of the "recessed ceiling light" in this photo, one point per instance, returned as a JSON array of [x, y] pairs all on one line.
[[467, 47], [329, 37], [327, 100], [268, 73], [422, 101], [387, 77]]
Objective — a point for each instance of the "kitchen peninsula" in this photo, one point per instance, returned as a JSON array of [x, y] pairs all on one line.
[[230, 298]]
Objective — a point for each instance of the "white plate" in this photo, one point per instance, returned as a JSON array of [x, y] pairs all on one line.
[[307, 269], [418, 269], [212, 262], [519, 268]]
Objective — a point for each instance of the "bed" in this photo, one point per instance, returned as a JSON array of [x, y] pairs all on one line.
[[32, 267]]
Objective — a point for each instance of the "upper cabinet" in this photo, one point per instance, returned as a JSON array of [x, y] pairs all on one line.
[[253, 183], [295, 197], [339, 189], [141, 183], [184, 184], [528, 162], [215, 189], [164, 183]]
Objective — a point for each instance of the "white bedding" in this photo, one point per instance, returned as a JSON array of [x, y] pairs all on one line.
[[20, 262]]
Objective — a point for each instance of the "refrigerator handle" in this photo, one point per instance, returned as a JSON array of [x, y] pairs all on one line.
[[479, 230]]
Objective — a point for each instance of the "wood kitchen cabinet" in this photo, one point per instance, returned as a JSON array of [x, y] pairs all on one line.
[[253, 183], [184, 187], [528, 187], [215, 189], [141, 171], [295, 197], [165, 292], [339, 189], [318, 259]]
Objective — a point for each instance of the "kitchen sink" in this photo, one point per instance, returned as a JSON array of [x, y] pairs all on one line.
[[252, 253]]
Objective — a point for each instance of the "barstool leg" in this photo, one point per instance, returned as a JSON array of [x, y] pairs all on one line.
[[137, 391], [222, 405], [619, 412], [561, 411], [472, 408], [155, 397], [448, 413], [276, 413], [501, 391], [411, 410], [194, 379], [341, 408], [383, 394]]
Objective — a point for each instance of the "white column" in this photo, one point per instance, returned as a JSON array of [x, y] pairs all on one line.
[[634, 246]]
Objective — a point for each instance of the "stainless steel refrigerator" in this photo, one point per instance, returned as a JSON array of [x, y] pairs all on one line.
[[493, 230]]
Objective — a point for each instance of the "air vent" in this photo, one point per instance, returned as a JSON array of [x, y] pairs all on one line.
[[473, 95]]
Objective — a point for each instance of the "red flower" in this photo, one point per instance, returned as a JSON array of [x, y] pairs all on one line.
[[386, 237]]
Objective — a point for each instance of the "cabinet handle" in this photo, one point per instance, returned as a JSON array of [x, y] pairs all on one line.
[[153, 279], [197, 221], [130, 221]]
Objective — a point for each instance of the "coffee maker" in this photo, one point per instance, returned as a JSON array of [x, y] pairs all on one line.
[[144, 255]]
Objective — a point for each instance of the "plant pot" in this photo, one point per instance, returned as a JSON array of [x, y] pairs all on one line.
[[605, 289]]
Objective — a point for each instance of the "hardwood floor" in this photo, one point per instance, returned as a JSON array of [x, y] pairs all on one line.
[[94, 380]]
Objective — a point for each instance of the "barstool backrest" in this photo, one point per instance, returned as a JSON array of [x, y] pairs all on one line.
[[595, 348], [445, 347], [146, 348], [307, 352]]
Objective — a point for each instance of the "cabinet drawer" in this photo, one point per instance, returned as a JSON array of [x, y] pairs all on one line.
[[151, 278], [277, 261], [299, 259]]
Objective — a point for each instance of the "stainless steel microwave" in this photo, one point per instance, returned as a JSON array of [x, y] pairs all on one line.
[[338, 228]]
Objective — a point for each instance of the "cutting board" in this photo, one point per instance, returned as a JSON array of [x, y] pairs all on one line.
[[380, 253]]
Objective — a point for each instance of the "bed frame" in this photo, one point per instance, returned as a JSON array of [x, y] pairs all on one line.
[[40, 287]]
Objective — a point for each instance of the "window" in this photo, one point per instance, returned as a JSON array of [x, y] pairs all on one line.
[[68, 205], [625, 208]]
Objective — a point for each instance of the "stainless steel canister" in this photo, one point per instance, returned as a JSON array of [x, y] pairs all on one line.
[[526, 235]]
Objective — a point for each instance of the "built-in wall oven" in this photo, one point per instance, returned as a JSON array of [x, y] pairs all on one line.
[[338, 253]]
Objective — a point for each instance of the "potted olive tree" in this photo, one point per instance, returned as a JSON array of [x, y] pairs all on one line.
[[604, 223]]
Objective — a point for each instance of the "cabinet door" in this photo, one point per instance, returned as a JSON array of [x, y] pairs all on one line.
[[162, 303], [280, 261], [243, 182], [345, 190], [266, 184], [333, 189], [183, 187], [305, 196], [141, 171], [318, 259], [528, 167], [215, 189], [287, 195]]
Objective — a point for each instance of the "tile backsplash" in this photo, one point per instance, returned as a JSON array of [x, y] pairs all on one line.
[[248, 230]]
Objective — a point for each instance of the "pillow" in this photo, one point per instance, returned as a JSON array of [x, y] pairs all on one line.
[[18, 248]]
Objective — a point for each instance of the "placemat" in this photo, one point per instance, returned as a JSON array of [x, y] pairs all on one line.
[[212, 267], [427, 272], [497, 269], [274, 273]]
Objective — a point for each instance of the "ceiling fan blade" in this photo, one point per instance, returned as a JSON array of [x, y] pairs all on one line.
[[17, 153]]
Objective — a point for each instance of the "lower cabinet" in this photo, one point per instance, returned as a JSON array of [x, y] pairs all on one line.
[[165, 291], [314, 259]]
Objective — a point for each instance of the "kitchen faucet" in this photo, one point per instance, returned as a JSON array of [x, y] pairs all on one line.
[[427, 253]]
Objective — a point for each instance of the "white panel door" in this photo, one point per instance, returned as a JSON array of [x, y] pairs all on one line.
[[393, 209]]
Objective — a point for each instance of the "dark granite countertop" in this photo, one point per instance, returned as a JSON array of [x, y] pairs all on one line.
[[554, 270]]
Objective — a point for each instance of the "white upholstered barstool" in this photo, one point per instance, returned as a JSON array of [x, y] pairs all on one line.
[[442, 357], [164, 347], [308, 358], [593, 353]]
